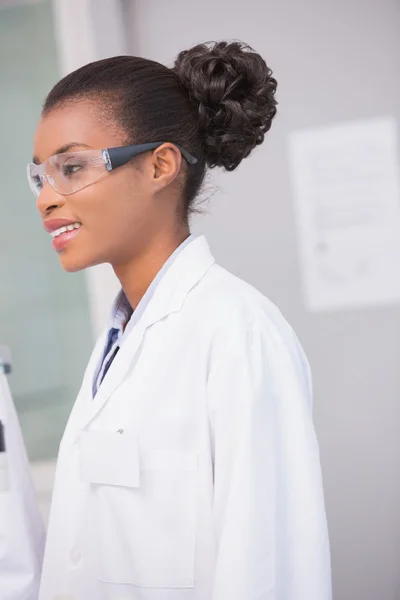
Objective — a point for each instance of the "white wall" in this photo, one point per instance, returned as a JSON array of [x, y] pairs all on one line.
[[335, 60]]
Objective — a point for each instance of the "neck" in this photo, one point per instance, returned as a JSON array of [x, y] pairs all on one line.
[[136, 275]]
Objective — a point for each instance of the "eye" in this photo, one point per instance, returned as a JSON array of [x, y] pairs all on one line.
[[37, 180], [70, 169]]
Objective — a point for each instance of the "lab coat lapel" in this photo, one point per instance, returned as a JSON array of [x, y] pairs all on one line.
[[82, 407], [185, 272]]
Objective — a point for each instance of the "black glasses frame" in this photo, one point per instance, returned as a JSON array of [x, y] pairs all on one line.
[[116, 157]]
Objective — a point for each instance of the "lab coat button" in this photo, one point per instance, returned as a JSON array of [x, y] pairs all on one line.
[[75, 556]]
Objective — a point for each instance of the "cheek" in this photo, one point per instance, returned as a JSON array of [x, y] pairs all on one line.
[[103, 205], [112, 212], [116, 219], [128, 202]]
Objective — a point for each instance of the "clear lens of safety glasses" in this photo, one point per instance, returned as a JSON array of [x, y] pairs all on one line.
[[69, 172]]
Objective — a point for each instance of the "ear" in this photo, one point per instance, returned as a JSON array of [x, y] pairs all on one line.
[[166, 164]]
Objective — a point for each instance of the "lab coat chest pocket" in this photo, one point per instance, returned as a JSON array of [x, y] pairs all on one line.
[[142, 510]]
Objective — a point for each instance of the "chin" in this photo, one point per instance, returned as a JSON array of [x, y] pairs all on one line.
[[73, 264]]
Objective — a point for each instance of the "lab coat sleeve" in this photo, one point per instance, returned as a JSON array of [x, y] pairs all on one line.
[[269, 510]]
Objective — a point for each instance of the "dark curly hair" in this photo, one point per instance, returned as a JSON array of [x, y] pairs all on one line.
[[217, 102]]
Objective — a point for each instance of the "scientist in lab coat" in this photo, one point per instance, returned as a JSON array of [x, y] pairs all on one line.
[[189, 468], [22, 534]]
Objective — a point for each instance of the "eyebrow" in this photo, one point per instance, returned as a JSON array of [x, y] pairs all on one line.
[[62, 149]]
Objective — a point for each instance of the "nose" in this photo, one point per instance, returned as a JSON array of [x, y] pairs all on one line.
[[48, 200]]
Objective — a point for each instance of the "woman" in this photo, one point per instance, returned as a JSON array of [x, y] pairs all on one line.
[[189, 467]]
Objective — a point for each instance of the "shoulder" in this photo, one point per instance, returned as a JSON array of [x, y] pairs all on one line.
[[240, 321], [226, 300]]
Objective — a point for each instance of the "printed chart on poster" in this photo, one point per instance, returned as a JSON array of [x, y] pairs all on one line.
[[345, 182]]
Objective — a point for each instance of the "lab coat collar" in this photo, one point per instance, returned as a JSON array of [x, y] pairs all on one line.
[[184, 273], [182, 276]]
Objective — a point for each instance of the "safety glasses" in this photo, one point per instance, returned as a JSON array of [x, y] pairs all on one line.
[[70, 172]]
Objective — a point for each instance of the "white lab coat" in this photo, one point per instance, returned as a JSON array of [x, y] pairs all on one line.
[[194, 473], [22, 535]]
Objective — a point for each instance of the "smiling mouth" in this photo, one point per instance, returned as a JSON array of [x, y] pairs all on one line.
[[57, 232]]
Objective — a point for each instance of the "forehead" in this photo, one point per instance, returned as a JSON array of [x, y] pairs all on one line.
[[82, 122]]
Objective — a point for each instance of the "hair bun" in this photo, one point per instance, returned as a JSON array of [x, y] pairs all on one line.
[[234, 91]]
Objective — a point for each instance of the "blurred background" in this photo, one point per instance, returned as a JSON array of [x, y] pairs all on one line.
[[337, 62]]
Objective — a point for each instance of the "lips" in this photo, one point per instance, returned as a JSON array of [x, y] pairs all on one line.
[[63, 231]]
